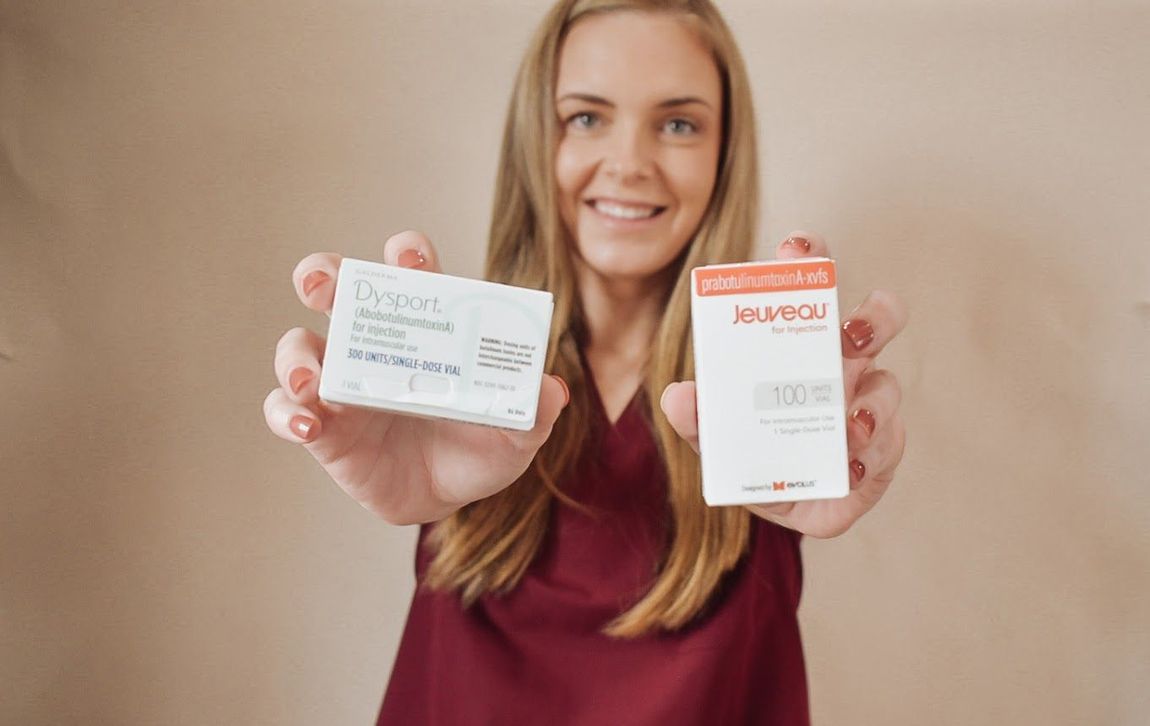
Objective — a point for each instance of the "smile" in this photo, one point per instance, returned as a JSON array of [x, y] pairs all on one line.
[[614, 210]]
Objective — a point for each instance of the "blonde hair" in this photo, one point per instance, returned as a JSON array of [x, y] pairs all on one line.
[[486, 546]]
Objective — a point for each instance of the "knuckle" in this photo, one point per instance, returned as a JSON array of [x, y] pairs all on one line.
[[317, 340], [298, 334], [896, 389], [526, 443], [891, 306], [880, 299], [889, 448], [882, 389], [831, 531], [290, 340], [888, 380], [271, 402]]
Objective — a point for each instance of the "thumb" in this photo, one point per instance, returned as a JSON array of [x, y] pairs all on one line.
[[553, 398], [678, 404], [411, 249]]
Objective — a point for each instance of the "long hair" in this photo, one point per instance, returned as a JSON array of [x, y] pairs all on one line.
[[486, 546]]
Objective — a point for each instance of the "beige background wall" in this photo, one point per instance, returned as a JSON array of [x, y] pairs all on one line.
[[163, 165]]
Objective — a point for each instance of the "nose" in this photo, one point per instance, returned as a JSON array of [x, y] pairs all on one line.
[[629, 155]]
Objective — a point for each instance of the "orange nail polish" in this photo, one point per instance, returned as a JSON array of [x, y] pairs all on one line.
[[411, 259], [866, 418], [859, 332], [566, 390], [858, 470], [801, 243], [299, 378], [303, 427], [314, 279]]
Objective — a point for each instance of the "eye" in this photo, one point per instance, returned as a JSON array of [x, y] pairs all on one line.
[[683, 126], [578, 119]]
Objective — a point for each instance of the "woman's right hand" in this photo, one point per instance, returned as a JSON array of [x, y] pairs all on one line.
[[405, 469]]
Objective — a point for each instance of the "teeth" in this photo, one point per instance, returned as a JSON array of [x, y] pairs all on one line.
[[622, 212]]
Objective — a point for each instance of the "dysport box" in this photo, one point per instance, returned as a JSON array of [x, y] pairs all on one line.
[[429, 344]]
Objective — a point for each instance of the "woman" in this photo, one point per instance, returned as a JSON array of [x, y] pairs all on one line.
[[572, 573]]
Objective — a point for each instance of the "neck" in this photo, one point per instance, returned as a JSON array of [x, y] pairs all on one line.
[[622, 314]]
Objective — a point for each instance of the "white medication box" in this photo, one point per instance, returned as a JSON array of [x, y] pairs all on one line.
[[429, 344], [769, 376]]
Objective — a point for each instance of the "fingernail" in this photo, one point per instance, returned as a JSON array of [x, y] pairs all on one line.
[[412, 258], [801, 243], [866, 418], [314, 279], [666, 391], [303, 427], [859, 332], [566, 390], [299, 378], [858, 470]]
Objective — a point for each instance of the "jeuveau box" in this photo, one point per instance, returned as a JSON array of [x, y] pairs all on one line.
[[769, 377], [429, 344]]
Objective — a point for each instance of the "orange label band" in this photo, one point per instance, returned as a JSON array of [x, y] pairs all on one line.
[[765, 278]]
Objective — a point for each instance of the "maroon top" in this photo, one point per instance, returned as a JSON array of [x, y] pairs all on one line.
[[536, 656]]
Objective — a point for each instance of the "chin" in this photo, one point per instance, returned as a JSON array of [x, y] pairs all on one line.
[[630, 265]]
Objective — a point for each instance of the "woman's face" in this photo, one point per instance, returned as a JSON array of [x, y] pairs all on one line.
[[639, 102]]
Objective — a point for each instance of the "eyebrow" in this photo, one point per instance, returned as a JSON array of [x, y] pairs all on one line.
[[669, 103]]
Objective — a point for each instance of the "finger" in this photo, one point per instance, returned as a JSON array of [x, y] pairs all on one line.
[[872, 408], [289, 420], [314, 280], [872, 469], [867, 329], [801, 244], [411, 249], [554, 395], [679, 405], [776, 512], [298, 360], [853, 371]]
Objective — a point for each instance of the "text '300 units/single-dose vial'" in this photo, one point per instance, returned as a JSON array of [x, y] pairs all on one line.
[[429, 344], [769, 376]]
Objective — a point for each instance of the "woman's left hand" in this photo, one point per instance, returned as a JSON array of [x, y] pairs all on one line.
[[876, 437]]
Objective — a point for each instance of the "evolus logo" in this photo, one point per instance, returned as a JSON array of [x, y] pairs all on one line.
[[779, 486]]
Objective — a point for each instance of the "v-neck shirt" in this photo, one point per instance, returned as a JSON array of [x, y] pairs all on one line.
[[536, 654]]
